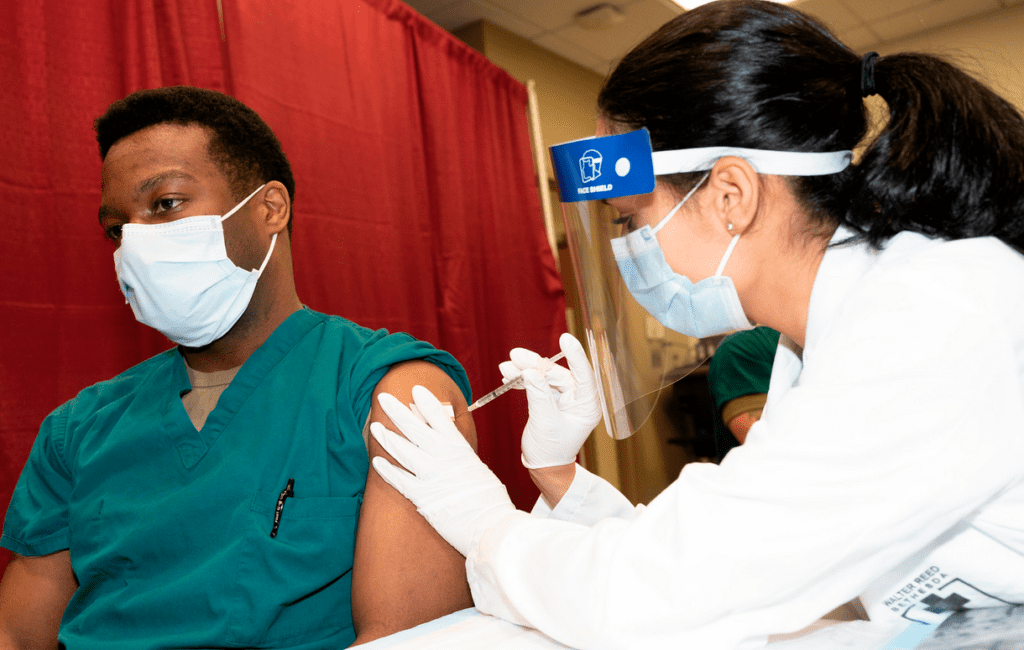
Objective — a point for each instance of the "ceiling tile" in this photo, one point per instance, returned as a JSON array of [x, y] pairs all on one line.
[[452, 16], [642, 19], [455, 16], [549, 15], [427, 7], [940, 13], [833, 13], [576, 54]]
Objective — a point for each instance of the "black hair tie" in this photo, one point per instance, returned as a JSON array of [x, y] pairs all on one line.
[[867, 74]]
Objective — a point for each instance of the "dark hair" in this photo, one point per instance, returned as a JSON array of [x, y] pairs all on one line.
[[241, 143], [749, 73]]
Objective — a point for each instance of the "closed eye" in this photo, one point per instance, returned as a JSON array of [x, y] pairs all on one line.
[[625, 220]]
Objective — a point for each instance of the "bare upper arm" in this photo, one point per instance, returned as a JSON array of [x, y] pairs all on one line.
[[404, 573], [741, 423], [33, 594]]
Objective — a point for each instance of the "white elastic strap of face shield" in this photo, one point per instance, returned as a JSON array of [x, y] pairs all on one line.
[[778, 163]]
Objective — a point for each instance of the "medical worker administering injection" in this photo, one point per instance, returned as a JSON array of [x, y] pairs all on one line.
[[721, 191]]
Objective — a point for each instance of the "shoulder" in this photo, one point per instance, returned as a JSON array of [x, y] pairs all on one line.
[[927, 306], [103, 400], [370, 353], [743, 349], [356, 337], [124, 385], [754, 342], [942, 283]]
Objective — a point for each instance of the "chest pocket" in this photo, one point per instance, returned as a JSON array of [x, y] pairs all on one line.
[[297, 585]]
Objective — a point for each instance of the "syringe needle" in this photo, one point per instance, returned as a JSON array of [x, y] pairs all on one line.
[[516, 382]]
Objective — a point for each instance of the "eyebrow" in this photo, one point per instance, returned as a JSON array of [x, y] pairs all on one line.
[[150, 183], [153, 181]]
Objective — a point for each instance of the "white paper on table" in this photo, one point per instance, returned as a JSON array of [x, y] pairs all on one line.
[[467, 629]]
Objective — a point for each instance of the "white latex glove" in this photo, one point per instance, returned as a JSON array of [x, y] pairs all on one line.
[[563, 404], [449, 485]]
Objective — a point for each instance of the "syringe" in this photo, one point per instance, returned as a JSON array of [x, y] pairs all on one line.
[[542, 367]]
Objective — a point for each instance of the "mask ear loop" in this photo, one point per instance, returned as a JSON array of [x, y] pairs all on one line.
[[728, 252], [680, 204], [273, 240], [244, 201]]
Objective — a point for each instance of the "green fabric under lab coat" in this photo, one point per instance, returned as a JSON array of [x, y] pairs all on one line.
[[169, 528]]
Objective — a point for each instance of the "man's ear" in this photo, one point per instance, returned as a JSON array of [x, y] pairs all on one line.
[[732, 193], [278, 207]]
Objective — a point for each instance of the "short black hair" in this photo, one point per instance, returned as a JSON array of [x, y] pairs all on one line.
[[241, 143]]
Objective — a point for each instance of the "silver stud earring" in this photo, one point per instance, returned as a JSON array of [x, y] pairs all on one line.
[[729, 227]]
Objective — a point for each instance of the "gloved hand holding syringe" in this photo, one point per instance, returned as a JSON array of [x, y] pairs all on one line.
[[563, 403], [517, 382]]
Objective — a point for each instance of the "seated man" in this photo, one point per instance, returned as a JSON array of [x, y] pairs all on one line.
[[208, 497], [738, 379]]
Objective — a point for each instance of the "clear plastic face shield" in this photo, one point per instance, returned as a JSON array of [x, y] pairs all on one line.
[[601, 182]]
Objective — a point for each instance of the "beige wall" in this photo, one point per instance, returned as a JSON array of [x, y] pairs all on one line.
[[988, 47], [566, 92]]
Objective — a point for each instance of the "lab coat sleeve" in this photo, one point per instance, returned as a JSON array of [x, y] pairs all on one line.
[[895, 432], [588, 500]]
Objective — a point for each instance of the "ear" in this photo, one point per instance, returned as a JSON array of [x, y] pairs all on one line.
[[277, 207], [732, 193]]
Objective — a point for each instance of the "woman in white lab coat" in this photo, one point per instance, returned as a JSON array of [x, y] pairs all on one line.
[[889, 462]]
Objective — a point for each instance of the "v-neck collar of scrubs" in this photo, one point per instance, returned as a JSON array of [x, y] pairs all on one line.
[[192, 445]]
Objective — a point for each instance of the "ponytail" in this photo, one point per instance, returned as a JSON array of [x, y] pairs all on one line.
[[949, 163]]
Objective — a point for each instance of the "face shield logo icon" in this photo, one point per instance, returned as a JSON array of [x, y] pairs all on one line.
[[590, 165]]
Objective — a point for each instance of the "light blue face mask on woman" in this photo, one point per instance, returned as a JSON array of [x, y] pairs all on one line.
[[706, 308]]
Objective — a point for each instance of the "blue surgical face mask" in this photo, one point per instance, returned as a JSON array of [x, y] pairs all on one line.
[[179, 280], [706, 308]]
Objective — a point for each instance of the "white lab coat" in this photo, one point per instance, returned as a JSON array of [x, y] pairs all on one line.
[[889, 463]]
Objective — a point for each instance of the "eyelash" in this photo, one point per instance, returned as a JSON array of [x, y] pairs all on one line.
[[157, 204], [110, 233], [626, 220]]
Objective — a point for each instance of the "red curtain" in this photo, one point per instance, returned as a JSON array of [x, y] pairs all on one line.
[[63, 322], [415, 209]]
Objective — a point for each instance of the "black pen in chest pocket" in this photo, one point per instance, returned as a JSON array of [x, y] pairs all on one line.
[[288, 491]]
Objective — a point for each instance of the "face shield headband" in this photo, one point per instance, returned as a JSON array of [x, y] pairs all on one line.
[[635, 355]]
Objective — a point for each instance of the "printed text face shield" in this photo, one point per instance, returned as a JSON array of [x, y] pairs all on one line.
[[634, 355]]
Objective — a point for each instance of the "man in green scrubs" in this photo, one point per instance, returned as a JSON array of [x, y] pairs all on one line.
[[209, 496]]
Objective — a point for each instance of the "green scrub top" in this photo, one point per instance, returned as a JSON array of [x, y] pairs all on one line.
[[742, 365], [169, 528]]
